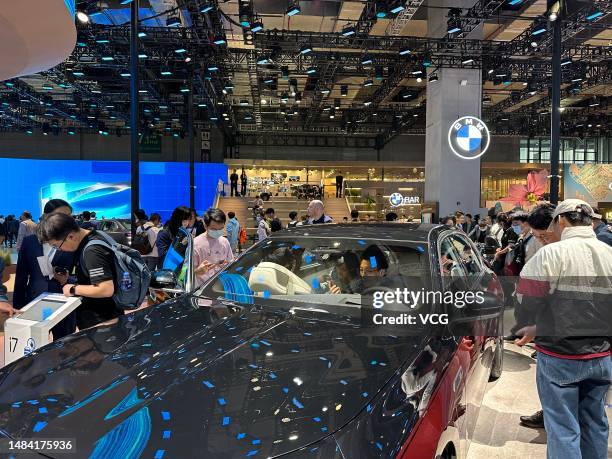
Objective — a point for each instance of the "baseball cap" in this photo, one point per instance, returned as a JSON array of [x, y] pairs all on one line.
[[596, 214], [572, 205]]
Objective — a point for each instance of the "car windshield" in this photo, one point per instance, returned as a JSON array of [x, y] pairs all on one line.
[[320, 271]]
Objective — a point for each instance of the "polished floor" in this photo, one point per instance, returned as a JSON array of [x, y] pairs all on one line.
[[499, 434]]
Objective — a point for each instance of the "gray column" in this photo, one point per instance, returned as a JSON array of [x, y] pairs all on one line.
[[451, 181]]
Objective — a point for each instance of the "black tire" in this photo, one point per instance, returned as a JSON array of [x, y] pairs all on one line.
[[498, 360]]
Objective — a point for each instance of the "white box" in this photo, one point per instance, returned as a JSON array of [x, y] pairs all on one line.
[[29, 330]]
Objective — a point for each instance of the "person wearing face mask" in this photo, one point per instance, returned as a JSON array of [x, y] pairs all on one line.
[[41, 268], [180, 218], [480, 232], [211, 250]]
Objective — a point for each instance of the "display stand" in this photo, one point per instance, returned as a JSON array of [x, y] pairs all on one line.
[[30, 329]]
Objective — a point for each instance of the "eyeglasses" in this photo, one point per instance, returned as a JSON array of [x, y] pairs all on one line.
[[60, 246]]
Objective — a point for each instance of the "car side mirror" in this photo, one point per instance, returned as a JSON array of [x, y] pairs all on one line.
[[163, 279], [481, 317]]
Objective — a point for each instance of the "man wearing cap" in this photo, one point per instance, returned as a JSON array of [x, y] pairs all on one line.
[[601, 228], [567, 286]]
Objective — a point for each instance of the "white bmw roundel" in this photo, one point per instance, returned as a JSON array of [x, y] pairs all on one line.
[[468, 137]]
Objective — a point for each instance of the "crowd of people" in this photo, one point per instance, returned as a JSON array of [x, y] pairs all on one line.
[[540, 257]]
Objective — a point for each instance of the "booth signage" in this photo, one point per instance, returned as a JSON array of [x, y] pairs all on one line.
[[468, 137], [398, 199]]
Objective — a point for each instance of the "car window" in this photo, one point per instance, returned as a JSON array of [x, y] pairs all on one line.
[[467, 258], [322, 270]]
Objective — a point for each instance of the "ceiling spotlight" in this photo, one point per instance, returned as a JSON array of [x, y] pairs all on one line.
[[566, 61], [219, 40], [83, 17], [469, 60], [173, 21], [180, 50], [426, 60], [325, 91], [433, 78], [594, 102], [454, 26], [381, 9], [244, 102], [298, 98], [107, 57], [262, 60], [348, 30], [142, 34], [142, 56], [257, 27], [206, 7], [553, 11], [404, 52], [212, 67], [366, 60], [284, 97], [367, 83], [311, 70], [187, 59], [367, 103], [419, 79], [293, 9], [78, 73], [336, 104], [378, 72], [344, 90], [125, 74]]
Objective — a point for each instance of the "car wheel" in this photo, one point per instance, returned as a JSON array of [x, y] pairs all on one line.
[[498, 360]]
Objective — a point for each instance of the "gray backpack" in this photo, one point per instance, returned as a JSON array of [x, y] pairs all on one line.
[[132, 276]]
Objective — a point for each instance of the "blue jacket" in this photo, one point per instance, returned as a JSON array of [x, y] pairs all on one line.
[[232, 228], [604, 233], [29, 281]]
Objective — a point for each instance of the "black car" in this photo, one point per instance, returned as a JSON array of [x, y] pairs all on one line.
[[118, 229], [282, 354]]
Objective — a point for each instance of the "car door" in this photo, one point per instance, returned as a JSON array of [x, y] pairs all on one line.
[[463, 271]]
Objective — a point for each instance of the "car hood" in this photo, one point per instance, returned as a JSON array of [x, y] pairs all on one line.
[[191, 377]]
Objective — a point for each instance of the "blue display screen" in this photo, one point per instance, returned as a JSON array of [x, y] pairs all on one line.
[[104, 186]]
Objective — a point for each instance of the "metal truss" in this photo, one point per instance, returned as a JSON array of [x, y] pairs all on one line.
[[312, 140], [399, 23]]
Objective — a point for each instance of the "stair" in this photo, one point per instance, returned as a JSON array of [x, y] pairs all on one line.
[[337, 209]]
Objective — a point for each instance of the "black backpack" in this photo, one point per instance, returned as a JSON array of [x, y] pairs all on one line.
[[141, 241]]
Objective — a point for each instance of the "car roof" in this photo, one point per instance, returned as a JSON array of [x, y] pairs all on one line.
[[414, 232]]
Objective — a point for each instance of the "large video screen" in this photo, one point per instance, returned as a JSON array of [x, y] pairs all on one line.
[[590, 182], [104, 186]]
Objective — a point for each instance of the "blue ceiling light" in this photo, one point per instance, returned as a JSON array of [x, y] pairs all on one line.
[[212, 68], [142, 56], [306, 49], [566, 61], [366, 60], [180, 50], [125, 74], [453, 27], [71, 131], [47, 87], [367, 83], [125, 2], [108, 57], [293, 9], [206, 7], [142, 34], [219, 40], [245, 23], [594, 15], [514, 2], [311, 70], [173, 21], [262, 60], [348, 31], [539, 28], [77, 73], [102, 40], [257, 27], [398, 8], [165, 72]]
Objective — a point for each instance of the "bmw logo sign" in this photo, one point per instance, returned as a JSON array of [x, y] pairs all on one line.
[[396, 199], [469, 137]]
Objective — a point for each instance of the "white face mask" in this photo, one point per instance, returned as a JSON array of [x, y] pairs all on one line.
[[215, 234]]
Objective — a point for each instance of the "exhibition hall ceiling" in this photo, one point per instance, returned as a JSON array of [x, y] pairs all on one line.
[[269, 68]]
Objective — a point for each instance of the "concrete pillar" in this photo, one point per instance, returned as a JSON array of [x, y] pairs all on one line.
[[451, 181]]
